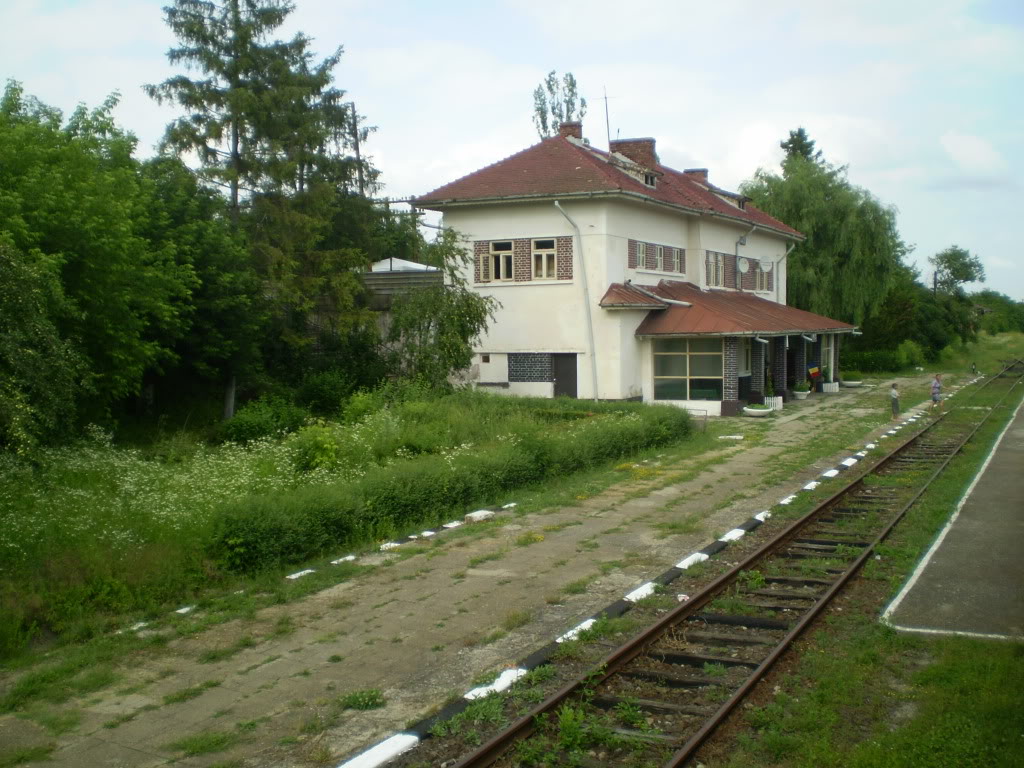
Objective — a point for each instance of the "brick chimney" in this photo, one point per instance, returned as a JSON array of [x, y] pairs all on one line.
[[573, 129], [698, 174], [640, 151]]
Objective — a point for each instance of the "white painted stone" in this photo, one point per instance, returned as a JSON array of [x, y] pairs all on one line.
[[883, 437], [345, 559], [681, 598], [501, 682], [730, 437], [734, 534], [299, 574], [186, 609], [811, 485], [428, 534], [381, 753], [686, 562], [848, 462], [644, 590], [762, 516], [414, 536], [452, 524], [479, 516], [788, 500], [871, 446], [389, 545], [830, 473], [511, 505], [572, 633]]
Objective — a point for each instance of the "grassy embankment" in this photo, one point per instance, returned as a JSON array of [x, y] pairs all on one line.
[[91, 531]]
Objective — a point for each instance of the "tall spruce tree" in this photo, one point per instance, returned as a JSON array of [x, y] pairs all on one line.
[[263, 113]]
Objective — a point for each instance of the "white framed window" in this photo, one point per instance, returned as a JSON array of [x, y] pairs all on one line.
[[659, 257], [677, 260], [641, 255], [500, 260], [544, 259], [650, 179], [827, 351], [760, 279], [716, 269], [688, 369]]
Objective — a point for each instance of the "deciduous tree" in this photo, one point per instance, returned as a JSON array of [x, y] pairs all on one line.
[[556, 101]]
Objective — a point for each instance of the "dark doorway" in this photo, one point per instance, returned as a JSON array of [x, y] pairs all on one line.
[[791, 371], [564, 369]]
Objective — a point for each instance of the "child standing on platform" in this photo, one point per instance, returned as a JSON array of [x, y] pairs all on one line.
[[894, 396]]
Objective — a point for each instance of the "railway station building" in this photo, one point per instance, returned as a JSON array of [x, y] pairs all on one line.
[[620, 278]]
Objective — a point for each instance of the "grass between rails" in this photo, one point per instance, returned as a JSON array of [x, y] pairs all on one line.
[[862, 695]]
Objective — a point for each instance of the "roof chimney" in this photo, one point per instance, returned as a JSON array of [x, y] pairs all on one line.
[[640, 151], [572, 129], [698, 174]]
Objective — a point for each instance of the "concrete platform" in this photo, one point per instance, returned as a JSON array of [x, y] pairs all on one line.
[[971, 581]]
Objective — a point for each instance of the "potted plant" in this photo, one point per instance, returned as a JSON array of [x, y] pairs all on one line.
[[827, 384], [851, 379], [757, 410], [802, 390]]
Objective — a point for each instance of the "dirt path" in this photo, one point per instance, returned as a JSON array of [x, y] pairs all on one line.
[[424, 628]]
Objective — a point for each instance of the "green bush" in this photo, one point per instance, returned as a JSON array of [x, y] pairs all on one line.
[[911, 353], [268, 531], [326, 392], [262, 418]]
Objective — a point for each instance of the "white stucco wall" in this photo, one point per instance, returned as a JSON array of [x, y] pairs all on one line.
[[550, 317]]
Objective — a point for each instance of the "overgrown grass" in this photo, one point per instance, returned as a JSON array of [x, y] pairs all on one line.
[[92, 529]]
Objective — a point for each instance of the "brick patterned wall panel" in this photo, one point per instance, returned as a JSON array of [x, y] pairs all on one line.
[[749, 280], [522, 266], [563, 270], [530, 367], [481, 267], [779, 363], [732, 366], [800, 357], [757, 368], [631, 254], [836, 344], [729, 268]]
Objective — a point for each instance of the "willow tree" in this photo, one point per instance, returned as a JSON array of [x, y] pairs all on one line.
[[853, 249]]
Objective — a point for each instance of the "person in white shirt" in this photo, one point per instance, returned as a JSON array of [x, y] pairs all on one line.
[[894, 396]]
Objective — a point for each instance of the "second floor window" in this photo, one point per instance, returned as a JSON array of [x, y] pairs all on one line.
[[761, 282], [501, 260], [544, 260], [677, 260], [659, 257], [716, 269]]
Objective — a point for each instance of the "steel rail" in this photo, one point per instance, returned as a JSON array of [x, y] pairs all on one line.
[[496, 746], [687, 750]]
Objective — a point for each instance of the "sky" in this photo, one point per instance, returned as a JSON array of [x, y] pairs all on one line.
[[921, 99]]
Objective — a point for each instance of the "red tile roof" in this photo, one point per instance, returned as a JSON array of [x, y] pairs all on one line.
[[723, 313], [558, 166], [619, 296]]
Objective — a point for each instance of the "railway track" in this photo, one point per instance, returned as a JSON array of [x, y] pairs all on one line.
[[656, 699]]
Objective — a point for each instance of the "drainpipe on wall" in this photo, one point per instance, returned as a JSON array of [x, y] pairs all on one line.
[[778, 270], [736, 251], [586, 299]]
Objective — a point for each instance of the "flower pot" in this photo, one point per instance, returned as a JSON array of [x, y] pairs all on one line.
[[756, 412], [831, 387], [800, 395], [846, 383]]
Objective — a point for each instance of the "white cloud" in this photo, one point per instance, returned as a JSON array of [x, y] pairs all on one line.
[[971, 153]]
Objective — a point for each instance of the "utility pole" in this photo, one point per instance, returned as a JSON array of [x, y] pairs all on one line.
[[607, 122]]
